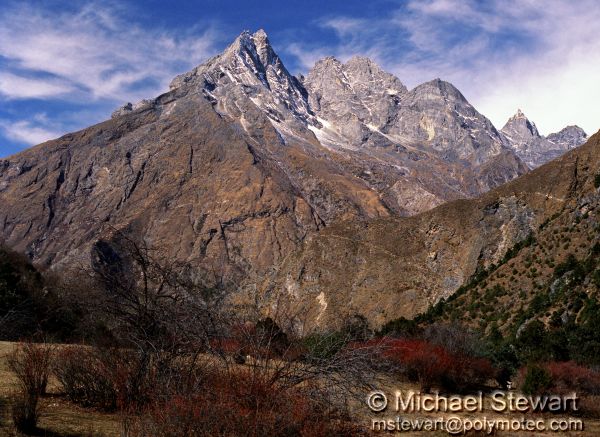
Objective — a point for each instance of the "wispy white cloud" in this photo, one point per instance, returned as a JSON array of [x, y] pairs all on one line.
[[28, 131], [13, 86], [344, 25], [306, 57], [94, 50], [79, 62], [540, 55]]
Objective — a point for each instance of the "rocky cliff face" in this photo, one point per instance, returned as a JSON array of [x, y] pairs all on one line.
[[259, 179], [191, 181], [534, 149], [220, 172]]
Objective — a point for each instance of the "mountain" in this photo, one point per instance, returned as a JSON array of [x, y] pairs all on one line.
[[266, 182], [535, 149], [250, 72], [568, 137], [192, 182], [203, 172], [553, 276]]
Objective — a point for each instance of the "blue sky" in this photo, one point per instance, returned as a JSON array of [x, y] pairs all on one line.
[[67, 64]]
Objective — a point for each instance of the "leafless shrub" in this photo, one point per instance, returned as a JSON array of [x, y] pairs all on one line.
[[455, 338], [89, 376], [31, 363]]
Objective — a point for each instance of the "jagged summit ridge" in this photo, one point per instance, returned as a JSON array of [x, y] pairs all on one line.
[[358, 106], [533, 148], [361, 104], [416, 148], [572, 136], [356, 98]]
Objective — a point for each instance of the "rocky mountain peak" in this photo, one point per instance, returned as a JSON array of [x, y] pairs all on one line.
[[326, 69], [328, 62], [255, 53], [256, 48], [357, 72], [249, 72], [363, 72], [364, 65], [265, 52], [519, 127], [440, 88], [571, 136], [534, 149], [358, 89], [362, 60], [250, 52]]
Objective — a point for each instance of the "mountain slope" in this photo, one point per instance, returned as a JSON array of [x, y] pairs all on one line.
[[392, 267], [187, 179], [225, 169]]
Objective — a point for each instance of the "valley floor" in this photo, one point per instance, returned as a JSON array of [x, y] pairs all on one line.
[[60, 418]]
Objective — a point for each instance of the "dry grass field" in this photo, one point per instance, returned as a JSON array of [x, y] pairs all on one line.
[[58, 416]]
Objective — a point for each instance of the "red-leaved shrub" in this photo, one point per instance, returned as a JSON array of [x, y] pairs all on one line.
[[566, 377], [239, 404], [569, 376], [433, 365]]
